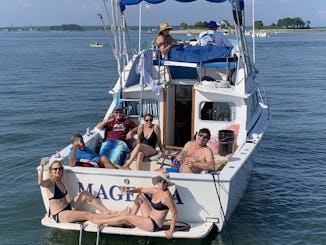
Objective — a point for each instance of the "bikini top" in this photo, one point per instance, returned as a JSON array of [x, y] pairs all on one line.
[[58, 194], [150, 141], [157, 206]]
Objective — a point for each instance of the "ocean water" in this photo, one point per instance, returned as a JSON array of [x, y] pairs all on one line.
[[54, 84]]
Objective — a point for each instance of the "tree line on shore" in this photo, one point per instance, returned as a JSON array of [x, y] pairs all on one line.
[[285, 23]]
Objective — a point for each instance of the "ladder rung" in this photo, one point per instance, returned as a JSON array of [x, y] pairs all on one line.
[[136, 100]]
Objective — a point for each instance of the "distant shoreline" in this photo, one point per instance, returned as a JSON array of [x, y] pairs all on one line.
[[155, 30], [197, 31]]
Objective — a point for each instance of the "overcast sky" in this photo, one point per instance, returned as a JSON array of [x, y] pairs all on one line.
[[84, 12]]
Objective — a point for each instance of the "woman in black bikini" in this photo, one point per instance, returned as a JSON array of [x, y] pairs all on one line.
[[153, 203], [59, 208], [149, 135]]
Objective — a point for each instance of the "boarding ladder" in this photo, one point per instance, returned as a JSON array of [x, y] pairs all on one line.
[[98, 233]]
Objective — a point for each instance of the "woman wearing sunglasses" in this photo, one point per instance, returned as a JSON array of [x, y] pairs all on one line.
[[60, 209], [154, 204], [149, 134]]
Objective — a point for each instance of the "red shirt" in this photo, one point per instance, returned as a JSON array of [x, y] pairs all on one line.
[[119, 129]]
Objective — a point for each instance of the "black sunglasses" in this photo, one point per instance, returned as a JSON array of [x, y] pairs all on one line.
[[55, 169], [163, 181], [148, 120], [205, 136]]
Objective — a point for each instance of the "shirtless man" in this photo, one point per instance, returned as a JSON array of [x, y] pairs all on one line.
[[197, 156]]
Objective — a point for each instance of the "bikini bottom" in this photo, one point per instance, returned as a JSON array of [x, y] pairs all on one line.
[[55, 217], [155, 226]]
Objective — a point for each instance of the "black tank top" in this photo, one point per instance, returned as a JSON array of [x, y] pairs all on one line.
[[150, 141]]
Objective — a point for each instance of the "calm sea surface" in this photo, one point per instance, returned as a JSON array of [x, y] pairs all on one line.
[[54, 84]]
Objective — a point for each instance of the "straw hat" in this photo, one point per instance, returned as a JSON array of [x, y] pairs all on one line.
[[162, 176], [165, 26]]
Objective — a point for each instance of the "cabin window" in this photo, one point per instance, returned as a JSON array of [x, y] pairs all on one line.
[[134, 108], [217, 111]]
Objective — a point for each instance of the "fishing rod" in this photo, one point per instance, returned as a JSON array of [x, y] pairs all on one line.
[[105, 28]]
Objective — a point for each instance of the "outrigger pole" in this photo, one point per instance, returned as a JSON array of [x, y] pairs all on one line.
[[253, 33], [139, 30]]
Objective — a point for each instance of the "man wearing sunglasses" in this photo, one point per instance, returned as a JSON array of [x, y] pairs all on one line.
[[119, 132], [197, 155]]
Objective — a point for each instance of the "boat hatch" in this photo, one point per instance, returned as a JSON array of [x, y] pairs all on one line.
[[194, 231]]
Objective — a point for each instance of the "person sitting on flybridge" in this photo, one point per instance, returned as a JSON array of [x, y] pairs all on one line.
[[216, 38], [213, 37], [164, 40]]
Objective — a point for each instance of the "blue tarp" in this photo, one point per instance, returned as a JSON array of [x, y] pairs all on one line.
[[123, 3], [135, 2], [197, 53]]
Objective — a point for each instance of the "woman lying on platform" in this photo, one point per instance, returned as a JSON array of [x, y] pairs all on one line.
[[59, 208], [153, 203]]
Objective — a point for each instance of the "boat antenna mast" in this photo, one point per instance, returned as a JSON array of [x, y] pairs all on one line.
[[238, 16], [253, 34], [139, 27]]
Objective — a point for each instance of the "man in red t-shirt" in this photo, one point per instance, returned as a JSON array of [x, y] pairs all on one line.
[[119, 131]]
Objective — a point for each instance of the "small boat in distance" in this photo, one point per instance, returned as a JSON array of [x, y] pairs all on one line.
[[96, 45]]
